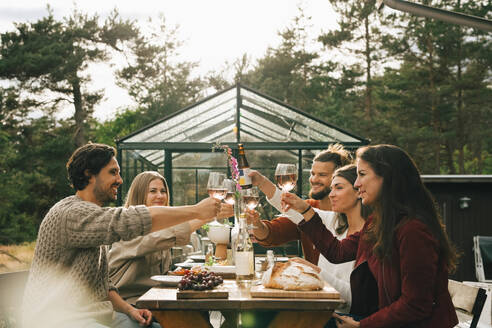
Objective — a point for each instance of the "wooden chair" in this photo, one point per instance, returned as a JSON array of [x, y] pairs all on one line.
[[468, 302], [11, 293]]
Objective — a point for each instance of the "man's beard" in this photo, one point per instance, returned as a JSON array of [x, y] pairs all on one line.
[[103, 196], [319, 195]]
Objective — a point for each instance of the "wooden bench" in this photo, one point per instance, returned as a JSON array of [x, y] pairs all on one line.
[[12, 290]]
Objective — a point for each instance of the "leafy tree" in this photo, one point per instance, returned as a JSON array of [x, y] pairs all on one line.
[[468, 54], [30, 179], [285, 72], [337, 97], [121, 125], [450, 100], [361, 36], [155, 78], [48, 60]]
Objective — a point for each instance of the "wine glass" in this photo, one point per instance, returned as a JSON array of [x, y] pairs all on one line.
[[286, 177], [250, 199], [230, 197], [215, 187], [231, 190]]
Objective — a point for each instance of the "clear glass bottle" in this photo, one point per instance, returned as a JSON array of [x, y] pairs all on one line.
[[270, 258], [245, 259], [243, 167]]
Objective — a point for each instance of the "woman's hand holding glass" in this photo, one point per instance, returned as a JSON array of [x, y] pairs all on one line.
[[292, 201], [260, 230]]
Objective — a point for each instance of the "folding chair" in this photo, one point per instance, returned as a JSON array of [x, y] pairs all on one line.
[[468, 302], [482, 249]]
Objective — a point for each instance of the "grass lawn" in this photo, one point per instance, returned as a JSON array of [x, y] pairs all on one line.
[[16, 257]]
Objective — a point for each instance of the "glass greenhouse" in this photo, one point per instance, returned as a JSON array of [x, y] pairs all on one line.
[[179, 146]]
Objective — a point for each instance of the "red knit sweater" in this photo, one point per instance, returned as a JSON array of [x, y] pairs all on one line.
[[282, 230]]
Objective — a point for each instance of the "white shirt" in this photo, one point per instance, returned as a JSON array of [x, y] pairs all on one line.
[[337, 275]]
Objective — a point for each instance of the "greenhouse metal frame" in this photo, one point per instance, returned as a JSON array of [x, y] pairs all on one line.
[[238, 114]]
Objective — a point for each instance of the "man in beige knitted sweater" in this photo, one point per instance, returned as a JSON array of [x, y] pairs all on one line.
[[68, 283]]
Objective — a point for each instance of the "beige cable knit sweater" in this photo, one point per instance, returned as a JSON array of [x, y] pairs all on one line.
[[68, 278]]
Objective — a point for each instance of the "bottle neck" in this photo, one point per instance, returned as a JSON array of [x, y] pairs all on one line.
[[242, 161], [242, 222]]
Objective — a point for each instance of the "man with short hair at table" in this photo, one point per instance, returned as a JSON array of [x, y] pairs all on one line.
[[68, 284]]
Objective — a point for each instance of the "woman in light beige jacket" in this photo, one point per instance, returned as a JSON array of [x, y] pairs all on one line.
[[132, 263]]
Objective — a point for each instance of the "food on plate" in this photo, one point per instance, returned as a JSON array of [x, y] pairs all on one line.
[[179, 271], [200, 280], [213, 261], [222, 262], [292, 275]]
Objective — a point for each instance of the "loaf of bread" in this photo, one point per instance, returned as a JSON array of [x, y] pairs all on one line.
[[292, 275]]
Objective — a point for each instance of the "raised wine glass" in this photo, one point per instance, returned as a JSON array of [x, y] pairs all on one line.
[[230, 197], [215, 187], [286, 177], [250, 199]]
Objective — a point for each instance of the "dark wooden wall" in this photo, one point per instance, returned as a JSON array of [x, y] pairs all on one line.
[[463, 224]]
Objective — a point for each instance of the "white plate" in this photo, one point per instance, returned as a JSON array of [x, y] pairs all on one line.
[[167, 280], [197, 258], [221, 268], [187, 265]]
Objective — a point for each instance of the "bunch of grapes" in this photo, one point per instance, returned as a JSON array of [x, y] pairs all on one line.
[[199, 281]]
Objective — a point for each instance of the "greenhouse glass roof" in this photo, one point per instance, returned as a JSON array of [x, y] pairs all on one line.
[[237, 114]]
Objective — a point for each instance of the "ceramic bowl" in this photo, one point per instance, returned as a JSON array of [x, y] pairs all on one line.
[[219, 234]]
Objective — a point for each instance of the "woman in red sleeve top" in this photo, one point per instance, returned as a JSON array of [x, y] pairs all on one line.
[[402, 254]]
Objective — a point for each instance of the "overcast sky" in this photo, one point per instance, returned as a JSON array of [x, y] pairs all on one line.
[[214, 31]]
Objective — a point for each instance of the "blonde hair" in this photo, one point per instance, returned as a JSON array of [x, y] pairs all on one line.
[[137, 194]]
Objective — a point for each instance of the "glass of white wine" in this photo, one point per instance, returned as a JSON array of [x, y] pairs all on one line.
[[250, 199], [230, 197], [215, 186], [286, 177]]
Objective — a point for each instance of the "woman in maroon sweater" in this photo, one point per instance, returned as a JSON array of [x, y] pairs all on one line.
[[402, 253]]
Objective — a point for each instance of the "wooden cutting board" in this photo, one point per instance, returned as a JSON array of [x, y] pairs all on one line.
[[213, 293], [326, 292]]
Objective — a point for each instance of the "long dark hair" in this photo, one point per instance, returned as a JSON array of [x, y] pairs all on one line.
[[402, 196], [349, 173]]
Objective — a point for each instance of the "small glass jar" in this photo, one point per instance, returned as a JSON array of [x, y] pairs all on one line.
[[209, 256]]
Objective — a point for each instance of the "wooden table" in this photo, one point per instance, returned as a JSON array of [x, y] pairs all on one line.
[[289, 312]]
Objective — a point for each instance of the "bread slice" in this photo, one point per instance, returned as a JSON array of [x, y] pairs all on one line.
[[292, 276]]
